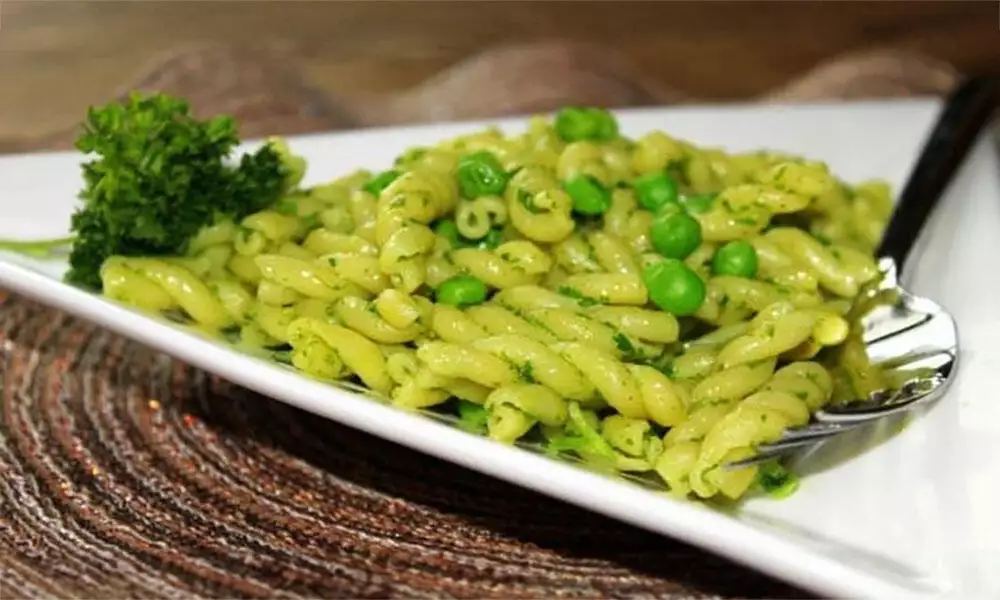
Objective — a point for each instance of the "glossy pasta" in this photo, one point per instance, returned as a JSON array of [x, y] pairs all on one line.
[[539, 289]]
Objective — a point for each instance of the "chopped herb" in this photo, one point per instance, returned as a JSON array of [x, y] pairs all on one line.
[[572, 292], [567, 443], [472, 417], [231, 334], [531, 320], [526, 372], [282, 356], [286, 206], [629, 352], [594, 443], [376, 184], [243, 233], [776, 481], [311, 222], [822, 239]]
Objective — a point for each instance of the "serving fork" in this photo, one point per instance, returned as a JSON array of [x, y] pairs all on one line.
[[911, 332]]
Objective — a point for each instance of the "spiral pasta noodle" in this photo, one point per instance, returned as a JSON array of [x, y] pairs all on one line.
[[648, 306]]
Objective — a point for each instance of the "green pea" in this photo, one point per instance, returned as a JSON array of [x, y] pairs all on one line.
[[737, 258], [574, 124], [675, 235], [492, 239], [607, 126], [480, 174], [698, 204], [674, 287], [461, 290], [375, 185], [655, 190], [588, 195], [447, 229]]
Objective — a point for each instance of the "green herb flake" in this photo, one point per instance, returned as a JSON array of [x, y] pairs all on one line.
[[572, 292], [526, 372], [231, 334], [776, 481], [668, 370], [623, 343], [472, 417], [310, 222], [567, 443], [287, 206]]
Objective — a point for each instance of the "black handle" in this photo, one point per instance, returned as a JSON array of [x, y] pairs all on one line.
[[965, 113]]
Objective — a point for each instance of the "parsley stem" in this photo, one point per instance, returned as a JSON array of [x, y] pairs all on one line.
[[37, 248]]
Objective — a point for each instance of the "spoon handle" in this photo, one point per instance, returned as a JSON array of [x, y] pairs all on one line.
[[966, 111]]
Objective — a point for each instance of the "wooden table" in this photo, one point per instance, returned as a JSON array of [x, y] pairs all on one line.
[[56, 58]]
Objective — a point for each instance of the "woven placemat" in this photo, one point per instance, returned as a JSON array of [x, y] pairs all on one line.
[[125, 473]]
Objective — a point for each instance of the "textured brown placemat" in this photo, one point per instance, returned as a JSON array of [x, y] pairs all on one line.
[[125, 473]]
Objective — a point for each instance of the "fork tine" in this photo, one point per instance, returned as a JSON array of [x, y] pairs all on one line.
[[793, 439], [915, 358], [879, 328], [830, 424], [903, 399], [758, 458], [893, 335]]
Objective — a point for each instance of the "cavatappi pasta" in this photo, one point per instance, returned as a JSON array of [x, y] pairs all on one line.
[[644, 305]]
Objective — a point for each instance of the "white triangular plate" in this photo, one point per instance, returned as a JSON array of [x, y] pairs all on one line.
[[913, 516]]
